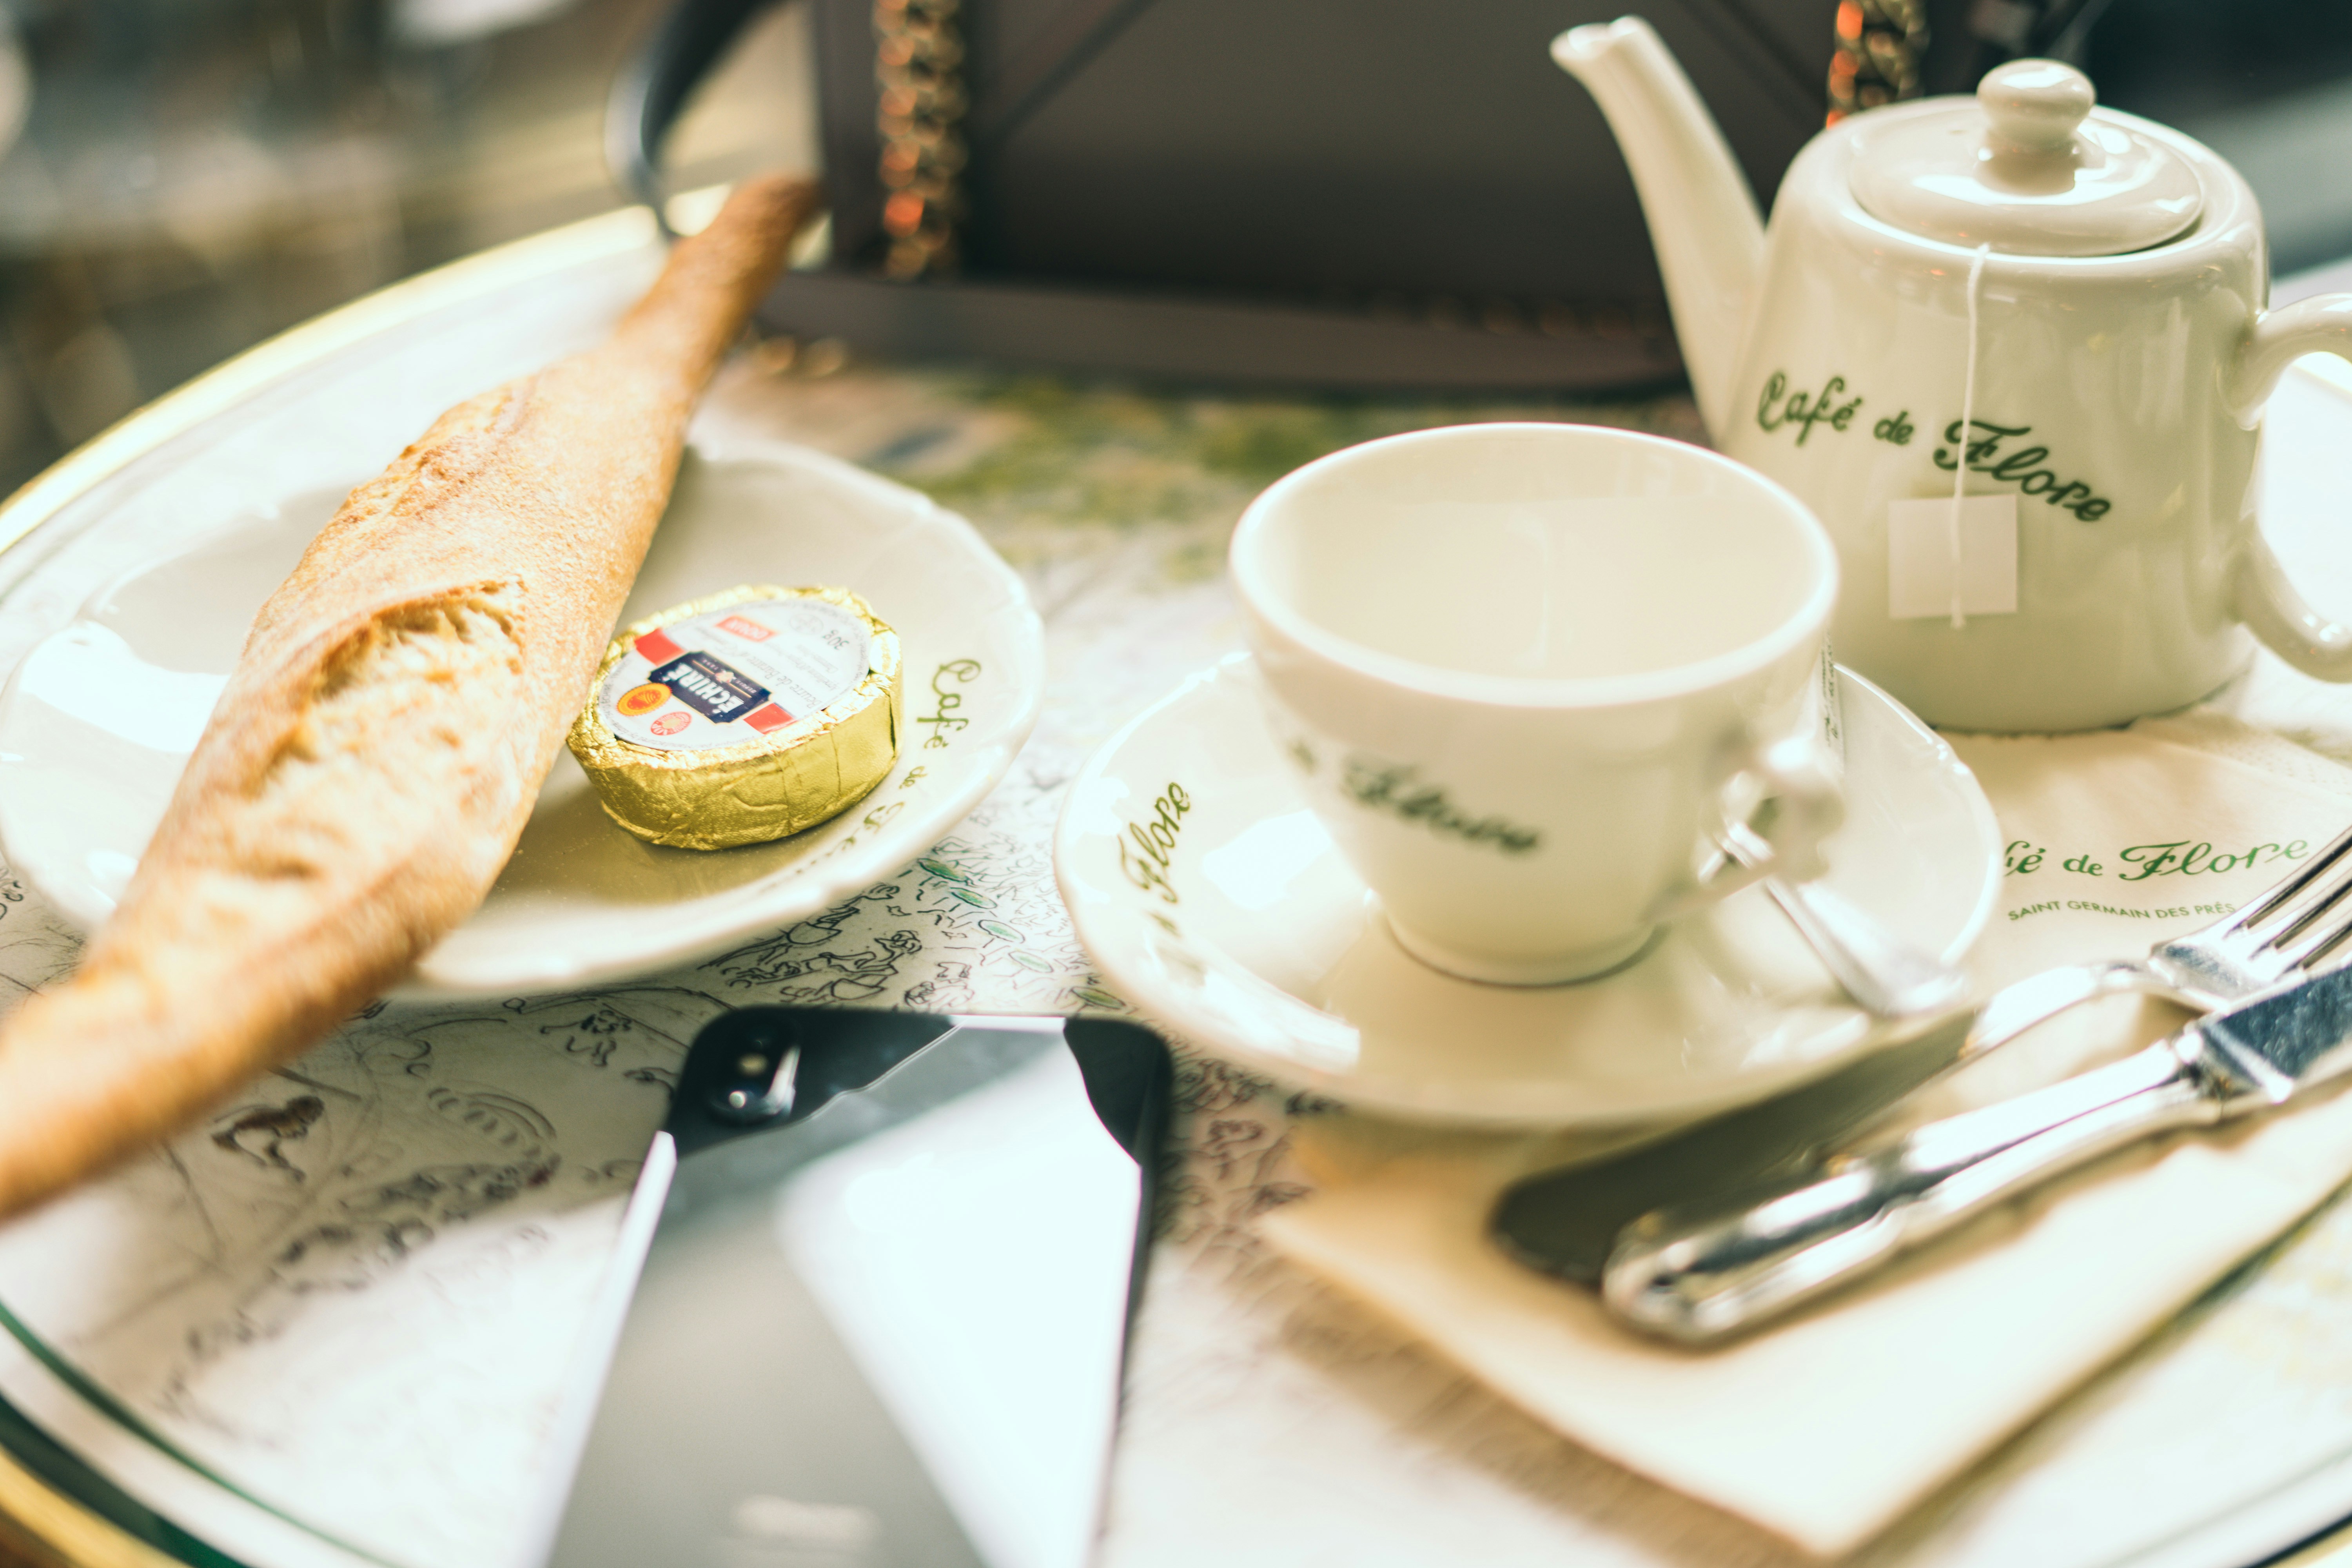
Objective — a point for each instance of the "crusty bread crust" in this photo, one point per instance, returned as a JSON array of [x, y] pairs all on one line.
[[380, 744]]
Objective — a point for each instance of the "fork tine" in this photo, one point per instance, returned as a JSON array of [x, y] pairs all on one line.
[[2325, 879], [2307, 952], [2320, 922], [2323, 901]]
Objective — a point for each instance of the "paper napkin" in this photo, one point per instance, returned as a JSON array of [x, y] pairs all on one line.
[[1827, 1428]]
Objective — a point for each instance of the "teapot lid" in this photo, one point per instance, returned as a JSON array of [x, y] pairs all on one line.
[[2028, 169]]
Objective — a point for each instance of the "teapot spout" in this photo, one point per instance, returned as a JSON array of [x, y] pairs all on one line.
[[1703, 220]]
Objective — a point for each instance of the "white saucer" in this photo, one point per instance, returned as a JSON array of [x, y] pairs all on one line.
[[98, 722], [1263, 946]]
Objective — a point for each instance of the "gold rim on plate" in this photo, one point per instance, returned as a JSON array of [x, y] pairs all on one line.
[[40, 1526]]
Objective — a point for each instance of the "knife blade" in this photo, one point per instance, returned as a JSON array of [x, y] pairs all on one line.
[[869, 1299], [1707, 1270], [1566, 1222]]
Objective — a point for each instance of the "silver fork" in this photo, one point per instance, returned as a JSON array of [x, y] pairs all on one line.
[[2284, 931], [2280, 933]]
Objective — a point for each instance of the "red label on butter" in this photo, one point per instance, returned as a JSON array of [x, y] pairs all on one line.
[[725, 676]]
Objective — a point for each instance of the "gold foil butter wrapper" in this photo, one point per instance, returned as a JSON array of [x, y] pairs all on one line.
[[741, 717]]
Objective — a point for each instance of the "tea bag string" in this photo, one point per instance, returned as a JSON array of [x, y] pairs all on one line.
[[1967, 422]]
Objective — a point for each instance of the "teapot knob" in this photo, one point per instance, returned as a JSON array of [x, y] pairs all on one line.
[[2033, 106]]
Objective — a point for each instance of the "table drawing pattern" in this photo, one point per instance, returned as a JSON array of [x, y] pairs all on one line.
[[350, 1295]]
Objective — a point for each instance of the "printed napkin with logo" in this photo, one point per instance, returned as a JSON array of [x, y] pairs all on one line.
[[1827, 1428]]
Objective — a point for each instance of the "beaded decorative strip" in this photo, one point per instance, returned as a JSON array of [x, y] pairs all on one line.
[[1879, 47], [919, 68]]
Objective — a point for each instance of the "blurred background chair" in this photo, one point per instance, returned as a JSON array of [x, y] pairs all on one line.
[[188, 177], [185, 177]]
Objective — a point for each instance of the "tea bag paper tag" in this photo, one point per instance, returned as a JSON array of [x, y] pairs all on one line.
[[1920, 565]]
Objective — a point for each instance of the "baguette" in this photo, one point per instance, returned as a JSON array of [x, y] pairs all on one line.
[[381, 740]]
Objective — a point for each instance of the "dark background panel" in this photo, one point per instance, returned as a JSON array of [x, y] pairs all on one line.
[[1355, 145]]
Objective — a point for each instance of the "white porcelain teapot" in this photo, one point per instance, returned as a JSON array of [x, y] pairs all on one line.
[[2080, 291]]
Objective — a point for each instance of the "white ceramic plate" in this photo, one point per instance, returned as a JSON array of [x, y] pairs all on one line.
[[98, 718], [1258, 943]]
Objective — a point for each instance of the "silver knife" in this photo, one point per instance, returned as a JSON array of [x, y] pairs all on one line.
[[1702, 1273], [1565, 1222], [869, 1302]]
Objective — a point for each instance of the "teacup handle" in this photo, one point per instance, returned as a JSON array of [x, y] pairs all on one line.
[[2266, 600], [1797, 774]]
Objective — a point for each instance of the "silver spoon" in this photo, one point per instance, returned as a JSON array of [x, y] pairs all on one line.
[[1884, 974]]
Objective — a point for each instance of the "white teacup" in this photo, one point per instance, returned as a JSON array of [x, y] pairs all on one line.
[[1531, 673]]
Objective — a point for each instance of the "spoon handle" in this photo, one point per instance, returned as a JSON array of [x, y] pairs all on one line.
[[1884, 974]]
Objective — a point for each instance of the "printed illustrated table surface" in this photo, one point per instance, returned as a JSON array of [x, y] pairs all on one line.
[[348, 1299]]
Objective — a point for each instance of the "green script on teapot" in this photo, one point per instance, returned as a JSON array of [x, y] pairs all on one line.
[[2026, 466], [1779, 407]]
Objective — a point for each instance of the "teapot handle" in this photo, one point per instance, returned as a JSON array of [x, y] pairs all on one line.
[[2319, 325], [2266, 601]]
